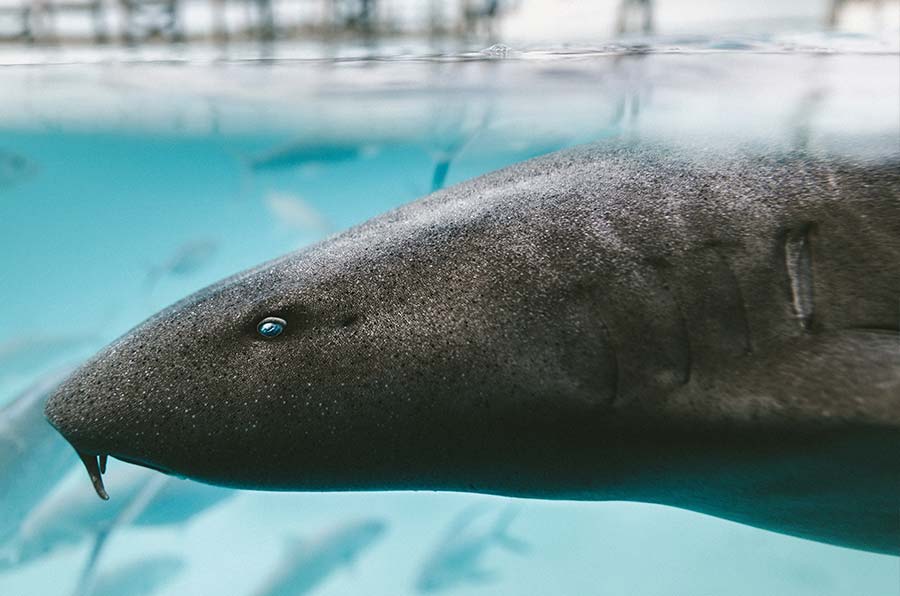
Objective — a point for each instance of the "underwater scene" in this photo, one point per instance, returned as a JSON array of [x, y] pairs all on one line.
[[128, 184]]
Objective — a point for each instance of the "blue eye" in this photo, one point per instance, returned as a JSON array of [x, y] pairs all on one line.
[[271, 327]]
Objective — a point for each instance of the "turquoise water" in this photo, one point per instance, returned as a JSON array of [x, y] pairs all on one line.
[[125, 186]]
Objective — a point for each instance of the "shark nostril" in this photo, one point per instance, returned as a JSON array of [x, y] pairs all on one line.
[[65, 410]]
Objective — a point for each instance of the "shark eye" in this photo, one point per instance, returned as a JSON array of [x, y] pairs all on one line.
[[271, 327]]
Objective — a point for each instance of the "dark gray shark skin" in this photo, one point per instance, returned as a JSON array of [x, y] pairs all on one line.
[[712, 331]]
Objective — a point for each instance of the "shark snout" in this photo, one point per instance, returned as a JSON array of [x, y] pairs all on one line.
[[69, 411]]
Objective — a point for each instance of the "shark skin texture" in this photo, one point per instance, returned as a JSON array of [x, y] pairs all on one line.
[[716, 331]]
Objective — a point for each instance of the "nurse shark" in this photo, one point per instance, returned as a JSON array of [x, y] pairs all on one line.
[[711, 330]]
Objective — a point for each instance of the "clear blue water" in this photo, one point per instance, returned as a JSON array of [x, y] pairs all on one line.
[[128, 186]]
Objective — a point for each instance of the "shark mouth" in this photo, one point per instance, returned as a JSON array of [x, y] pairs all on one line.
[[96, 467]]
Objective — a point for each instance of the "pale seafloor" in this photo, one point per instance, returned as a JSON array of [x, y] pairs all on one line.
[[127, 183]]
